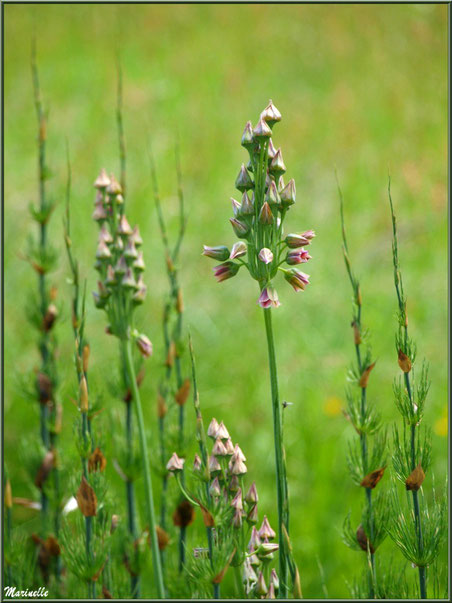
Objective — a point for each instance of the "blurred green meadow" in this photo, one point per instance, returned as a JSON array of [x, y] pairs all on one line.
[[360, 87]]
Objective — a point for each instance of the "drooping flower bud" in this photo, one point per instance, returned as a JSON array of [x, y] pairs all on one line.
[[288, 194], [272, 196], [136, 237], [138, 264], [247, 205], [262, 130], [130, 251], [220, 253], [238, 249], [277, 166], [197, 464], [252, 516], [103, 253], [297, 279], [241, 229], [308, 234], [297, 256], [144, 345], [225, 271], [266, 532], [219, 448], [269, 298], [252, 496], [265, 255], [128, 280], [237, 519], [102, 180], [236, 207], [175, 464], [249, 575], [124, 227], [105, 235], [222, 432], [261, 588], [214, 488], [296, 240], [121, 266], [243, 181], [271, 114], [265, 215], [247, 136], [212, 429]]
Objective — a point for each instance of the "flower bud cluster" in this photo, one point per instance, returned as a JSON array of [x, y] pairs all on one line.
[[119, 262], [259, 216]]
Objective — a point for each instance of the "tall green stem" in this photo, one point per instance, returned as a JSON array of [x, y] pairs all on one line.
[[146, 470], [281, 480]]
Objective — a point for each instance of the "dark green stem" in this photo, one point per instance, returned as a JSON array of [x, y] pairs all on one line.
[[146, 470], [281, 480]]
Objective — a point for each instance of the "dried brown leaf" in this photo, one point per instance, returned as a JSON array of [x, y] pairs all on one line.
[[365, 376], [46, 467], [97, 461], [404, 362], [182, 393], [415, 479], [86, 499], [372, 479]]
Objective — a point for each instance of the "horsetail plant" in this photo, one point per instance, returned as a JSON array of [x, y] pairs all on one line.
[[120, 290], [172, 334], [366, 464], [418, 535], [43, 315], [258, 223]]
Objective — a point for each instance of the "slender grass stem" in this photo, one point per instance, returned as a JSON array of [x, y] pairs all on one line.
[[146, 470], [281, 481]]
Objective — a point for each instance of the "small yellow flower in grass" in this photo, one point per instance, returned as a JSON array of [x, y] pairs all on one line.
[[332, 407]]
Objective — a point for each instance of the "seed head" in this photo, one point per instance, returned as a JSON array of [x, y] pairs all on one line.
[[238, 249], [225, 271], [265, 215], [212, 429], [271, 114], [220, 253], [243, 181], [269, 298], [277, 166], [265, 255], [102, 180], [241, 229], [288, 194], [262, 131], [266, 532]]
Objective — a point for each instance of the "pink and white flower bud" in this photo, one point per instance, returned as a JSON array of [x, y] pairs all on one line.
[[128, 280], [136, 237], [308, 234], [238, 453], [296, 240], [243, 181], [111, 278], [114, 188], [247, 205], [144, 345], [197, 463], [219, 448], [237, 519], [237, 502], [269, 298], [138, 264], [271, 592], [267, 548], [229, 447], [102, 180], [140, 295], [265, 215], [238, 249], [297, 256], [130, 251], [247, 137], [271, 114], [239, 467], [261, 588], [277, 166], [252, 496], [240, 228], [254, 541], [288, 194], [266, 531], [297, 279], [234, 483], [236, 206], [212, 429], [271, 150], [214, 465], [220, 253], [274, 579], [265, 255], [222, 432], [103, 253], [262, 130], [121, 266], [272, 195], [175, 464], [214, 488], [99, 213], [225, 271], [105, 235], [252, 516], [124, 227]]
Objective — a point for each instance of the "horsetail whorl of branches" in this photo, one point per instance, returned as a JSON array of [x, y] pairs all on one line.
[[258, 223], [418, 536], [120, 290], [366, 465]]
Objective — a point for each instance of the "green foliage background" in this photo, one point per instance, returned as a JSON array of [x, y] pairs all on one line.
[[360, 87]]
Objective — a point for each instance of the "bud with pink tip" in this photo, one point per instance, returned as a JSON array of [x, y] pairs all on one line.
[[274, 579], [271, 150], [297, 279], [269, 298], [175, 464], [277, 166], [265, 255], [222, 432], [239, 453], [266, 531], [219, 448], [247, 137], [243, 181], [99, 213], [252, 516], [114, 188], [272, 195], [261, 588], [296, 240], [197, 463], [271, 592], [265, 215], [271, 114], [102, 252], [102, 181], [236, 206], [229, 447], [124, 227], [237, 502], [136, 237], [138, 264], [130, 251], [262, 131], [225, 271], [214, 488], [240, 228], [252, 496], [297, 256], [144, 344], [239, 467], [238, 249], [219, 253], [212, 429], [288, 194], [105, 235], [247, 208], [214, 465], [128, 280], [234, 483]]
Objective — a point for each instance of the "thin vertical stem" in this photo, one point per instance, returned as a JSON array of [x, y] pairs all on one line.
[[281, 481], [146, 470]]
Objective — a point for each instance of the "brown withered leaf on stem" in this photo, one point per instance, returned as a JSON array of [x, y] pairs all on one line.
[[182, 393], [162, 538], [97, 461], [46, 467], [171, 355], [372, 479], [52, 546], [365, 376], [415, 479], [356, 333], [363, 541], [49, 318], [404, 362], [208, 519], [179, 302], [45, 388], [184, 514], [162, 409], [86, 499], [219, 577], [297, 594], [106, 593]]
